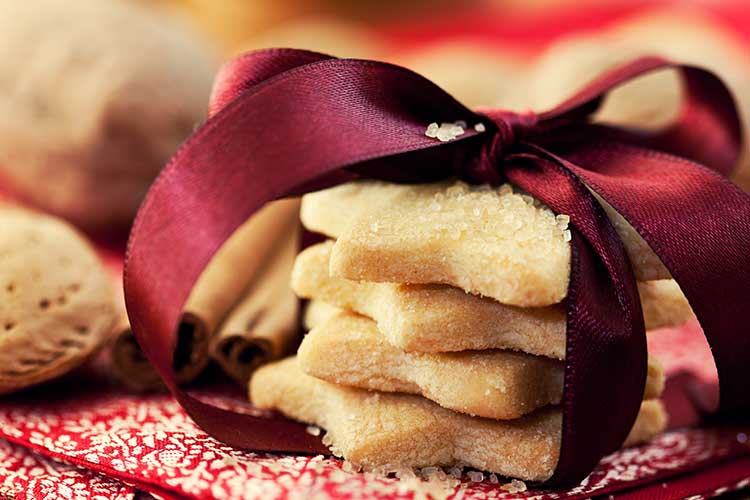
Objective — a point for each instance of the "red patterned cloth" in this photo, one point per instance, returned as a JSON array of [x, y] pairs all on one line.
[[85, 437]]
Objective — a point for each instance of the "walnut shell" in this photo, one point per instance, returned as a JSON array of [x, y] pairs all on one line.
[[57, 306], [95, 98]]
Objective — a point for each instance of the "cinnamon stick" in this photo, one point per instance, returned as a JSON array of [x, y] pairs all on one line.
[[221, 286], [263, 324], [129, 364]]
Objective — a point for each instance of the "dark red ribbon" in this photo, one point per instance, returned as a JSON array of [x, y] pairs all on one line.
[[287, 121]]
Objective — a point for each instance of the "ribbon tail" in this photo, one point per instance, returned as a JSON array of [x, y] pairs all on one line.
[[698, 223], [605, 366]]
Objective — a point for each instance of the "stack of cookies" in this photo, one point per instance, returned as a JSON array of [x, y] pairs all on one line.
[[437, 333]]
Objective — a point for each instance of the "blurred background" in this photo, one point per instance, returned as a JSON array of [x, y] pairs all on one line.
[[97, 94]]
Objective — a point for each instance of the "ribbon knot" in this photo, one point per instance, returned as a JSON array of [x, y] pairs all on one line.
[[505, 130]]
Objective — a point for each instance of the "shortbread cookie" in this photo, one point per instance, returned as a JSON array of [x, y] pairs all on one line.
[[651, 421], [375, 429], [663, 304], [438, 318], [487, 241], [316, 312], [493, 383], [96, 96], [56, 303], [490, 242]]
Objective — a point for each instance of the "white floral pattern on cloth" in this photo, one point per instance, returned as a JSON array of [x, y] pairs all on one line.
[[149, 440], [25, 475]]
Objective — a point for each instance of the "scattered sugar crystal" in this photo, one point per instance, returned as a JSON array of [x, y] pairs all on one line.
[[445, 131], [475, 476], [430, 473], [493, 478], [455, 191], [374, 227], [432, 130], [567, 236], [479, 127], [456, 471], [313, 430], [327, 440], [515, 486], [445, 135], [434, 485], [479, 188], [562, 221], [405, 473]]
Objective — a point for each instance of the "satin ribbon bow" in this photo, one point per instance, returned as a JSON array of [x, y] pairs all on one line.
[[284, 122]]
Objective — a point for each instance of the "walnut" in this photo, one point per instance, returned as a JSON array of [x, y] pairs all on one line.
[[95, 97]]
